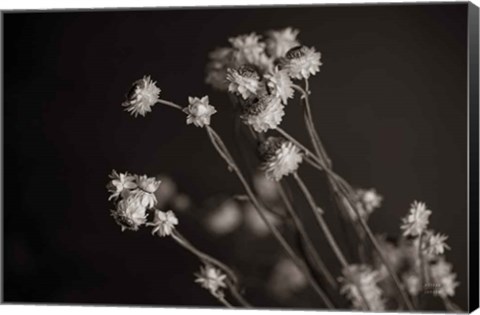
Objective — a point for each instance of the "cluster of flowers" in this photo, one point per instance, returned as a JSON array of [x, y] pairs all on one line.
[[432, 246], [438, 278], [366, 279], [134, 195], [259, 73]]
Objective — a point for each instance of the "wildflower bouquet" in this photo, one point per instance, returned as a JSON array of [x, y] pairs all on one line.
[[262, 75]]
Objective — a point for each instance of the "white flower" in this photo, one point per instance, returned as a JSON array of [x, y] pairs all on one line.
[[120, 183], [279, 42], [147, 186], [212, 279], [130, 213], [280, 84], [263, 114], [164, 223], [412, 283], [141, 97], [435, 244], [226, 218], [280, 157], [443, 278], [417, 220], [362, 277], [286, 278], [370, 199], [248, 47], [243, 81], [301, 62], [199, 111], [220, 60]]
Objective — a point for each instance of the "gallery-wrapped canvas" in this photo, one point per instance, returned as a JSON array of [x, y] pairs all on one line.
[[305, 157]]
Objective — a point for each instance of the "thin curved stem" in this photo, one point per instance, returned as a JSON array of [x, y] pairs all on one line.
[[171, 104], [326, 231], [224, 301], [306, 239], [278, 236], [180, 239]]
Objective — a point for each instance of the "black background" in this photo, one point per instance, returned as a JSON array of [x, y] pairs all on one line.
[[390, 105]]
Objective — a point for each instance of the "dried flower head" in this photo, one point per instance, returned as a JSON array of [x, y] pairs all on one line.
[[370, 199], [279, 42], [141, 97], [220, 60], [417, 220], [363, 278], [280, 85], [435, 243], [199, 111], [147, 186], [301, 62], [443, 278], [212, 279], [244, 81], [163, 223], [281, 157], [130, 213], [120, 184], [248, 49], [264, 113]]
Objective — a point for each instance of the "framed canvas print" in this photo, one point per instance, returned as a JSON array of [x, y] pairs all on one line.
[[303, 157]]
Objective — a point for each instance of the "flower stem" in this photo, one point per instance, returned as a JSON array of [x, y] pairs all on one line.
[[333, 181], [232, 284], [326, 231], [306, 239], [171, 104], [224, 153]]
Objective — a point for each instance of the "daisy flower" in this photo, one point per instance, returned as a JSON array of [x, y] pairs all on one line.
[[435, 244], [443, 278], [279, 42], [199, 111], [120, 183], [362, 277], [212, 279], [243, 81], [281, 157], [141, 97], [280, 85], [301, 62], [163, 223], [417, 220], [248, 47], [147, 186], [264, 113], [130, 213]]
